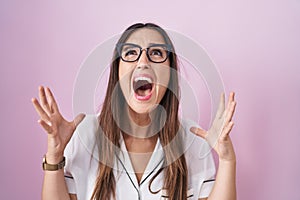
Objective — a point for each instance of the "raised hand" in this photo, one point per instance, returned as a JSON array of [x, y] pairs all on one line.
[[58, 129], [218, 135]]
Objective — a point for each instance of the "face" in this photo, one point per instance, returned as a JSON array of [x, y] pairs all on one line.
[[143, 82]]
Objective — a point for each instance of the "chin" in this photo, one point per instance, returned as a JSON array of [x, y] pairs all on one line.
[[142, 108]]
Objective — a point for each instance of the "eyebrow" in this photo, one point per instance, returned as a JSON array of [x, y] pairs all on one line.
[[150, 44], [136, 45]]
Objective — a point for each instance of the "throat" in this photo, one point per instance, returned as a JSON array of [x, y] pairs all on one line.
[[138, 118]]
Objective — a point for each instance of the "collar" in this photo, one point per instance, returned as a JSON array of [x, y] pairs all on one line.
[[124, 163]]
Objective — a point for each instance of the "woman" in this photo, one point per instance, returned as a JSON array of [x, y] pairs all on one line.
[[117, 155]]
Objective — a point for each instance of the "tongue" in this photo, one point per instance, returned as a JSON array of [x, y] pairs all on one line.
[[144, 90]]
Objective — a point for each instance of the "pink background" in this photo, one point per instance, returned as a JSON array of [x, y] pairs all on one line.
[[255, 45]]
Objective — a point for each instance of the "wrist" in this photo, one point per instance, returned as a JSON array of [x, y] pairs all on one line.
[[53, 167], [227, 161], [54, 158]]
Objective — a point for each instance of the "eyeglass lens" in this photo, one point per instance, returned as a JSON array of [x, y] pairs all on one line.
[[155, 53]]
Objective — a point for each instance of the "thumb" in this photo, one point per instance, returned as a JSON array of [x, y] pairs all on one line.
[[198, 131], [78, 119]]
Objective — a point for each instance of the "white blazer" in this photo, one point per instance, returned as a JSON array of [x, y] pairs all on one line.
[[82, 166]]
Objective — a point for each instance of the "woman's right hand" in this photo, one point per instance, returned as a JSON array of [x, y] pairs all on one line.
[[59, 130]]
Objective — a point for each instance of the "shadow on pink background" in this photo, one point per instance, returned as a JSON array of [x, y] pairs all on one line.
[[255, 45]]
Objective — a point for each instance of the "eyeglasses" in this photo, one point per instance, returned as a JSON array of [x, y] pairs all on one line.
[[157, 53]]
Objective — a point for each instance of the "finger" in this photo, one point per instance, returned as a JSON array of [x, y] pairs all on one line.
[[43, 99], [221, 105], [46, 126], [51, 100], [229, 104], [198, 131], [43, 115], [231, 97], [78, 119], [230, 112], [226, 130], [230, 100]]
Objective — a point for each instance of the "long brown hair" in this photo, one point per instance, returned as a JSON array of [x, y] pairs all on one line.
[[175, 169]]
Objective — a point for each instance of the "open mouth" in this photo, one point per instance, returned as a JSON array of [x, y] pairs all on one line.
[[142, 86]]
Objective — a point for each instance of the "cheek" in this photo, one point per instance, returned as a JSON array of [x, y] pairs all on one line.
[[163, 74], [163, 81], [122, 71], [125, 68], [125, 72]]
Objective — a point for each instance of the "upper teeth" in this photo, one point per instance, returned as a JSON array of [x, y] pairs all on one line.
[[141, 78]]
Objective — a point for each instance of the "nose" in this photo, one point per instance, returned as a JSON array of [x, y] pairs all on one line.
[[143, 60]]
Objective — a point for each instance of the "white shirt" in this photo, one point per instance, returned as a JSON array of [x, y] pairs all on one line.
[[82, 166]]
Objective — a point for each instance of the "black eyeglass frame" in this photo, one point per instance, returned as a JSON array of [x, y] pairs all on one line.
[[168, 50]]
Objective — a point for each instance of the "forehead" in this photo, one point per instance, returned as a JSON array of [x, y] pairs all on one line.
[[145, 37]]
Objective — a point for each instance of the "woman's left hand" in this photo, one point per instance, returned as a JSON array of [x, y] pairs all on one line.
[[218, 135]]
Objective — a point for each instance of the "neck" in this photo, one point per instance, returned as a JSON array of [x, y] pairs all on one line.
[[140, 125], [140, 119]]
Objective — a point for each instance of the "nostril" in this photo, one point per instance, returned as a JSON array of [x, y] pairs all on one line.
[[143, 66]]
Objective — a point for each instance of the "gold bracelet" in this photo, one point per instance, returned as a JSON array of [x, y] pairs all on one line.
[[55, 167]]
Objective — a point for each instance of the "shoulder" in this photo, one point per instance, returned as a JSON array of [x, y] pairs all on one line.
[[199, 160], [83, 139], [81, 158], [189, 138], [198, 152], [89, 123]]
